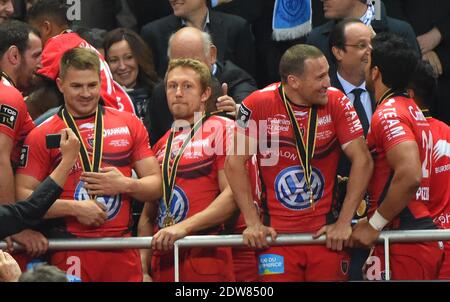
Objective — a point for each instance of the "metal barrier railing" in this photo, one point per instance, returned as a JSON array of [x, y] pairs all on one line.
[[386, 237]]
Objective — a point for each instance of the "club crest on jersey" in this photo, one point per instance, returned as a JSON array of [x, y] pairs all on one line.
[[8, 116], [291, 188], [178, 207], [112, 203]]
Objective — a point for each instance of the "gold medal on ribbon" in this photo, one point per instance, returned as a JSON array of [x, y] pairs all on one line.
[[311, 199], [168, 220]]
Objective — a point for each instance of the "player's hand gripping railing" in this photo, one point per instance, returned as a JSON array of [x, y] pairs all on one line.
[[386, 237]]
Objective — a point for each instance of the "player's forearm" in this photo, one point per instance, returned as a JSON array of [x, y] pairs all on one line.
[[215, 214], [7, 194], [145, 229], [144, 189], [61, 208], [61, 172], [360, 174], [403, 186], [239, 182]]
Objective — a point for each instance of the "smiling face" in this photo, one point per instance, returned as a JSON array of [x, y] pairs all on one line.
[[355, 55], [6, 10], [185, 94], [81, 89], [312, 85], [123, 64], [184, 8]]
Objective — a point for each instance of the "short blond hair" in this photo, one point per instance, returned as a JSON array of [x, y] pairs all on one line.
[[81, 59], [199, 67]]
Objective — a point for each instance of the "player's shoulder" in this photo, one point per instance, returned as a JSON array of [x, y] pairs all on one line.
[[124, 115], [9, 95]]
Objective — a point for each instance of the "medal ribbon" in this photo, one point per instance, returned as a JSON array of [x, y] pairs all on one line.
[[169, 172], [88, 165], [305, 151]]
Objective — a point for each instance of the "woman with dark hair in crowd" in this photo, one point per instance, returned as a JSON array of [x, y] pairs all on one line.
[[131, 63]]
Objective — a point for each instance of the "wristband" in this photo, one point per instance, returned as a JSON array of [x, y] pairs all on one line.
[[377, 221]]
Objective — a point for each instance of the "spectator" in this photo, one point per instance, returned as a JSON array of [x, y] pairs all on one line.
[[6, 10], [197, 199], [43, 273], [336, 10], [96, 203], [9, 269], [192, 43], [350, 44], [131, 64], [231, 34], [399, 188], [299, 172], [431, 23]]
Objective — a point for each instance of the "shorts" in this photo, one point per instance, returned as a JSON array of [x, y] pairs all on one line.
[[302, 263], [245, 265], [444, 273], [196, 265], [408, 261], [100, 266]]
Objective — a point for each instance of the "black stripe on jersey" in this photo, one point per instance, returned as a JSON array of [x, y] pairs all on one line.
[[409, 222]]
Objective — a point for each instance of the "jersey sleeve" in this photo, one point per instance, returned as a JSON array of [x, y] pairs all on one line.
[[249, 114], [36, 156], [390, 128], [223, 140], [13, 112], [141, 147], [347, 124]]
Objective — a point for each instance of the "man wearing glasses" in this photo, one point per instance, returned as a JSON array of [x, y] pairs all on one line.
[[364, 10], [350, 46]]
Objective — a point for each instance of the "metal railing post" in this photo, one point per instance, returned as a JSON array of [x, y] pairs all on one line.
[[387, 267], [176, 256]]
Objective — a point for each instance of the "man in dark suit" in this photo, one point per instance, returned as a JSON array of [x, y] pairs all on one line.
[[336, 10], [431, 23], [231, 83], [231, 34], [350, 46]]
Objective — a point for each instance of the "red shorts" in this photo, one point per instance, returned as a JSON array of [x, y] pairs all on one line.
[[412, 261], [101, 266], [444, 273], [196, 265], [245, 265], [302, 263]]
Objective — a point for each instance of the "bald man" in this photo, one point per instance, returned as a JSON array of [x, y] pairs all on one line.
[[190, 42]]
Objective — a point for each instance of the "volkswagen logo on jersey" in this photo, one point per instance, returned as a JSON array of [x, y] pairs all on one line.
[[291, 188], [178, 207], [112, 203]]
